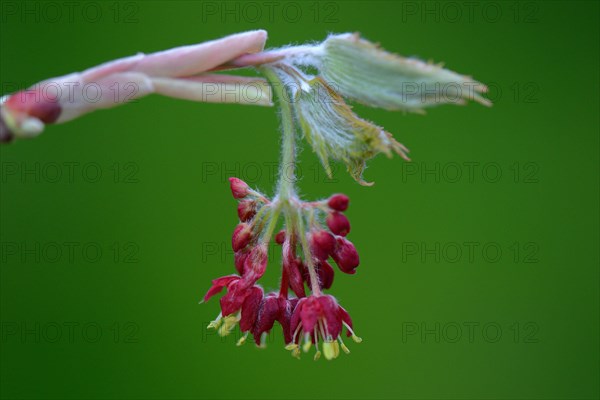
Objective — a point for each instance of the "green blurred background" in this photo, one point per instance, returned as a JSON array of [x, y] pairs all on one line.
[[479, 261]]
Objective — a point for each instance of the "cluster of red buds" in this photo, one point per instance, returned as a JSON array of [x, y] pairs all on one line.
[[307, 246]]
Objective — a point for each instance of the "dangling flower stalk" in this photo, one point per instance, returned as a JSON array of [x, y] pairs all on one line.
[[286, 191], [313, 233]]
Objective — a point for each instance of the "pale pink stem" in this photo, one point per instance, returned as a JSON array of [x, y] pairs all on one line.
[[113, 83], [185, 60]]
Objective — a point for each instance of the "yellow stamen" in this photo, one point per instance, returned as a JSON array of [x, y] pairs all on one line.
[[317, 355], [242, 340], [345, 348], [229, 323], [291, 346], [215, 324], [331, 350], [306, 346], [294, 348], [354, 337]]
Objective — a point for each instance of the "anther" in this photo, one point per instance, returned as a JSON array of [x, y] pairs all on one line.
[[356, 338], [242, 339], [343, 346], [215, 324]]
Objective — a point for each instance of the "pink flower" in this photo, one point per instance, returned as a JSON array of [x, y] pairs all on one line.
[[240, 304], [250, 309], [319, 319], [274, 307]]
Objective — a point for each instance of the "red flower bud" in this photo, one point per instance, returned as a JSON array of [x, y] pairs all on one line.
[[326, 274], [255, 264], [269, 312], [305, 274], [322, 244], [250, 308], [294, 267], [314, 312], [280, 237], [338, 223], [241, 236], [36, 103], [239, 260], [246, 210], [339, 202], [239, 188], [346, 256], [296, 279]]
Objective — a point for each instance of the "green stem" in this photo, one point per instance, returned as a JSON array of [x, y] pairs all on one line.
[[287, 175], [308, 260], [286, 193], [271, 227]]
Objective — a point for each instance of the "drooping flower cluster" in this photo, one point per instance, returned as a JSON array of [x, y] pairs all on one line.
[[314, 234], [307, 246], [312, 84]]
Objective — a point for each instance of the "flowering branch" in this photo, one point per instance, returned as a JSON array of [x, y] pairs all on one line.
[[311, 233], [315, 232]]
